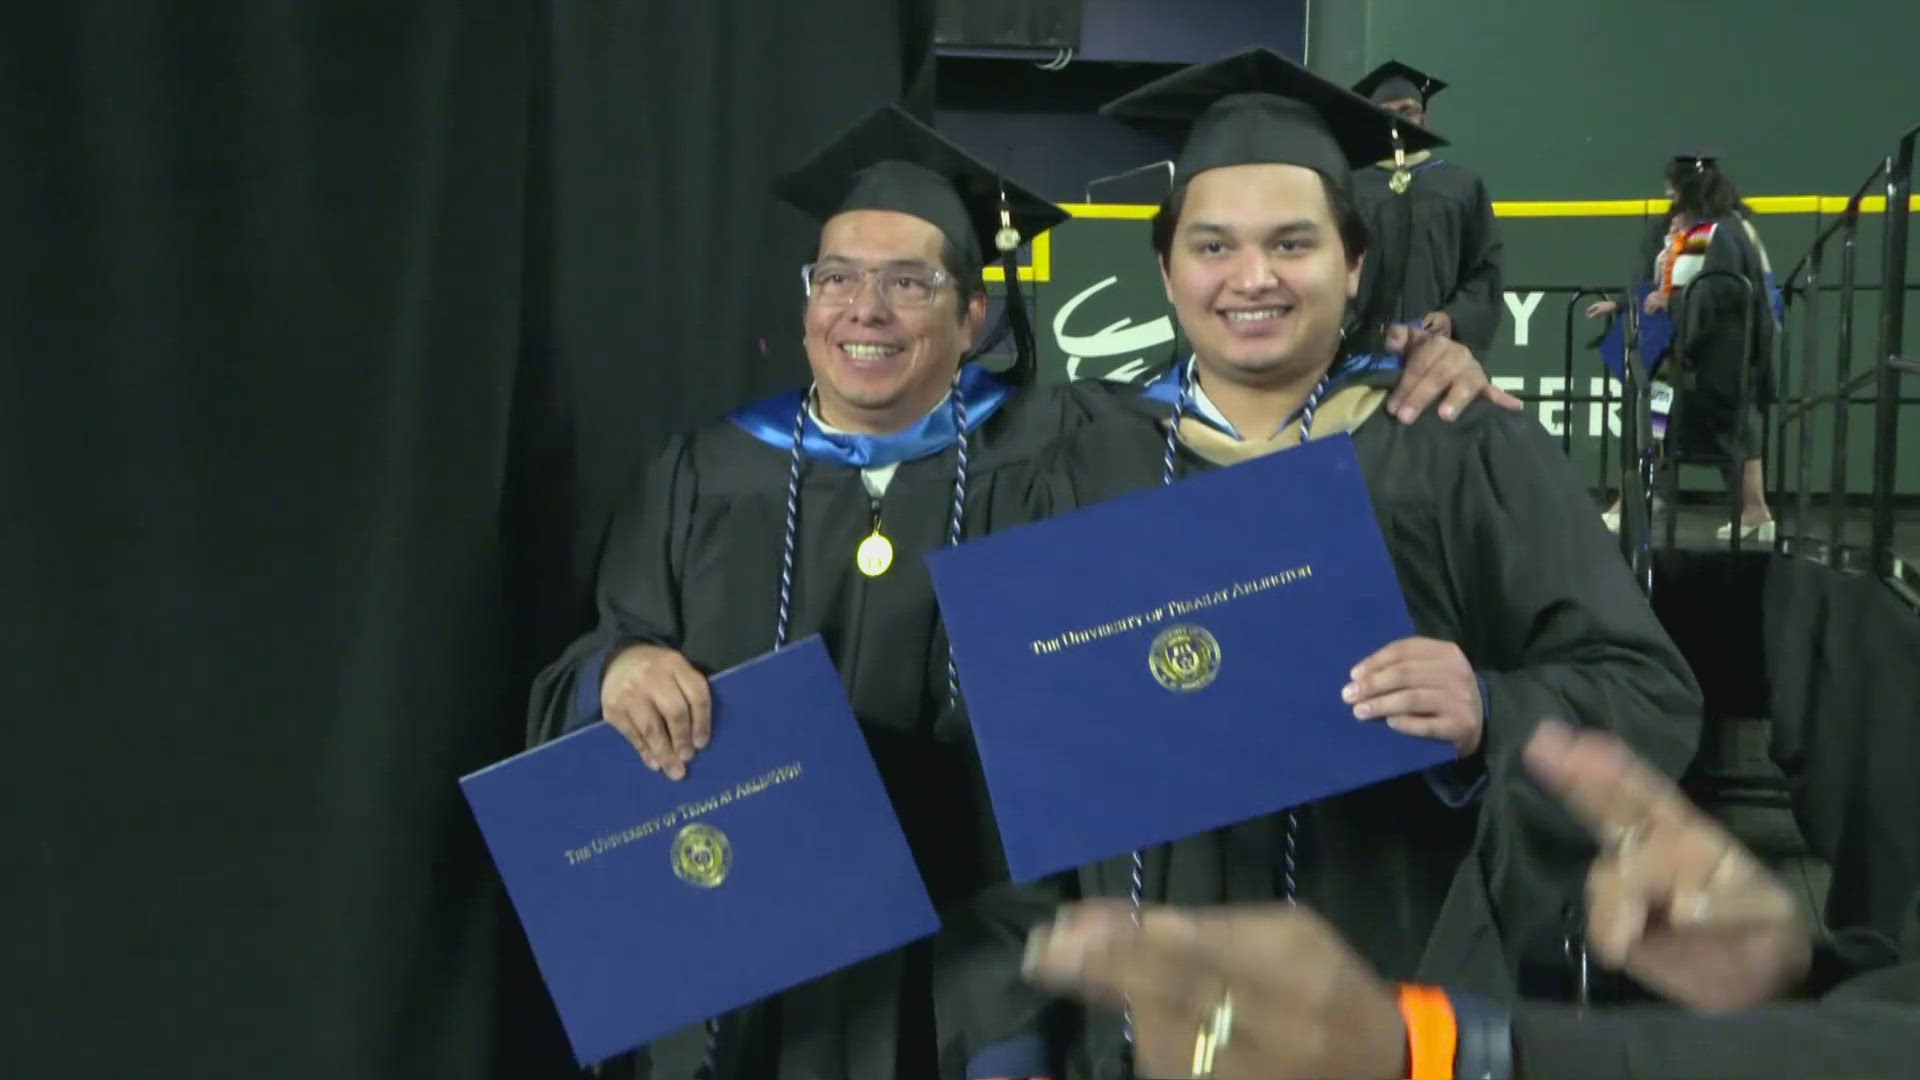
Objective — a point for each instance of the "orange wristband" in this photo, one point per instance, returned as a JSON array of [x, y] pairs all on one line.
[[1432, 1034]]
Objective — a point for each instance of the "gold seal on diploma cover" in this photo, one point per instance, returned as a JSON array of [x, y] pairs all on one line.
[[875, 555], [1184, 658], [702, 856]]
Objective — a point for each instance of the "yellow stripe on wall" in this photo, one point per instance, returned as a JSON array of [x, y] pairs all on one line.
[[1565, 208], [1133, 211], [1580, 208], [1764, 204], [1041, 266]]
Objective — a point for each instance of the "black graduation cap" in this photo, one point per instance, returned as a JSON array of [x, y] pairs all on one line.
[[1258, 107], [891, 161], [1700, 157], [1395, 81]]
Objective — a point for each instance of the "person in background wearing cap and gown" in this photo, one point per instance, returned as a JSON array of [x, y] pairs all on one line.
[[1708, 230], [811, 513], [1655, 326], [1435, 252], [1523, 606]]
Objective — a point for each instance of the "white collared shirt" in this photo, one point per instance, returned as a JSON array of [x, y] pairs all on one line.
[[1204, 405]]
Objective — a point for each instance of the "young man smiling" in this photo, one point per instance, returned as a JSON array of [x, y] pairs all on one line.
[[1522, 607]]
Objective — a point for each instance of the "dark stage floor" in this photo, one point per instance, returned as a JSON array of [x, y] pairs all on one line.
[[1696, 525]]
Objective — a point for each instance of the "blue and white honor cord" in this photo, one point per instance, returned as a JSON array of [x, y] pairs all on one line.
[[789, 542], [1180, 405]]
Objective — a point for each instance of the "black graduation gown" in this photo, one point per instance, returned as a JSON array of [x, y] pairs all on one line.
[[1496, 548], [1865, 1028], [693, 563], [1723, 331], [1443, 233]]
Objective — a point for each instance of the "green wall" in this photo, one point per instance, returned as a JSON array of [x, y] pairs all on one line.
[[1102, 314], [1558, 101], [1554, 101]]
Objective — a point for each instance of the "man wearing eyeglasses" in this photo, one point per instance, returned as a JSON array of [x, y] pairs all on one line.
[[812, 513]]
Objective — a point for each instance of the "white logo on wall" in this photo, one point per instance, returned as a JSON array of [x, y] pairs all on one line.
[[1119, 338], [1522, 306], [1123, 338], [1144, 346]]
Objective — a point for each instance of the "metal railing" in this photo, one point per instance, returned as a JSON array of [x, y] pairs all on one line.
[[1631, 472], [1788, 443], [1567, 396], [1637, 457], [1893, 322], [1638, 452], [1883, 375]]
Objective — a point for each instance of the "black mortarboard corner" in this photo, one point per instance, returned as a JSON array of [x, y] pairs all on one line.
[[1395, 81], [1258, 107], [1701, 158], [891, 161]]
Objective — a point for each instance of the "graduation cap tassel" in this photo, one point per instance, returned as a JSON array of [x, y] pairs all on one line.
[[1025, 363], [990, 342], [1008, 238]]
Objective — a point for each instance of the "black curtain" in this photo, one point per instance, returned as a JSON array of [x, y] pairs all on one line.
[[1828, 657], [677, 286], [1840, 652], [330, 330]]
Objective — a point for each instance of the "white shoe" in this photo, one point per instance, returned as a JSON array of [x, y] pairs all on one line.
[[1611, 519], [1763, 532]]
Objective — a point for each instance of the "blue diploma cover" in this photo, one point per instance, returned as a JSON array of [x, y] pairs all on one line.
[[652, 905], [1170, 661]]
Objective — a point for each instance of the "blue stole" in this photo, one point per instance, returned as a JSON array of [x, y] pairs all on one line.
[[1165, 387], [771, 421]]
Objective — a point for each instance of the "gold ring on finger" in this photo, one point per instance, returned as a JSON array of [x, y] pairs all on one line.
[[1212, 1037], [1628, 837]]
